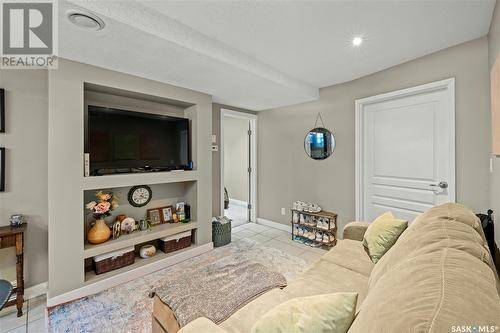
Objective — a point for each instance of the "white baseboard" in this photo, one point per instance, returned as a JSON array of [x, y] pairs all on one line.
[[238, 202], [128, 275], [275, 225], [35, 291]]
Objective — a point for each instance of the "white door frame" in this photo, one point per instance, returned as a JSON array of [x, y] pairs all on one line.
[[449, 86], [253, 157]]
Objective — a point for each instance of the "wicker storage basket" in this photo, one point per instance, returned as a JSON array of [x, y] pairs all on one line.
[[221, 233], [113, 260], [175, 242]]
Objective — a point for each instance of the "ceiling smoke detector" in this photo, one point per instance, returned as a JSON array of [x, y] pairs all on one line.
[[85, 20]]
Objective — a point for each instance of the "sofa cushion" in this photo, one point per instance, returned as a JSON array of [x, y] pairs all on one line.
[[243, 319], [327, 277], [201, 324], [352, 255], [438, 235], [450, 211], [320, 313], [431, 232], [430, 293], [384, 216], [355, 230], [382, 234]]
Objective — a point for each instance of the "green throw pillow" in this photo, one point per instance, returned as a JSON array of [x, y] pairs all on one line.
[[312, 314], [382, 234]]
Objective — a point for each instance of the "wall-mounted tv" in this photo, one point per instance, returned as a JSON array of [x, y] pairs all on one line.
[[120, 141]]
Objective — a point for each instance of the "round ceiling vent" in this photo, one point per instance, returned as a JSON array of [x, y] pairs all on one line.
[[85, 20]]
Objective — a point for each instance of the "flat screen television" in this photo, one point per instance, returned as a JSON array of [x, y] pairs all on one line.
[[120, 141]]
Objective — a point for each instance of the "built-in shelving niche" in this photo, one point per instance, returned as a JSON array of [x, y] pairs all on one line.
[[73, 88], [167, 194], [168, 187]]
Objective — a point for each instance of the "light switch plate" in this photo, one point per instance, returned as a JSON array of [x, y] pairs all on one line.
[[86, 166], [283, 211]]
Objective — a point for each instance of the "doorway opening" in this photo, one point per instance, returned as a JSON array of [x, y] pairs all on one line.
[[238, 166]]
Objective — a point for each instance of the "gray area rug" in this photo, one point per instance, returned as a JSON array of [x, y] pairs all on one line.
[[127, 307]]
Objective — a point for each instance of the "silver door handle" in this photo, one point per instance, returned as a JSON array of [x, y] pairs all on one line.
[[440, 184]]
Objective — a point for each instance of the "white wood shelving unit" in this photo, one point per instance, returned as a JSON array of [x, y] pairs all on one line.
[[141, 266], [131, 179], [138, 237]]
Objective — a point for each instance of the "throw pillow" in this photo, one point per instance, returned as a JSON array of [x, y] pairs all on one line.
[[319, 313], [382, 234]]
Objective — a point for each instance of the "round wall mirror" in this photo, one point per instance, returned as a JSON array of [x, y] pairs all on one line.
[[319, 143]]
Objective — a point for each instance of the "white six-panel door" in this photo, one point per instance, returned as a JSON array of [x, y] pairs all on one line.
[[405, 151]]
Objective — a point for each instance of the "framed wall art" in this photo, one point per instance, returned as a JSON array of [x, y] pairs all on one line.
[[2, 169], [2, 110]]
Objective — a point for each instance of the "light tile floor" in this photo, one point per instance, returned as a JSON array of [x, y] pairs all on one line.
[[276, 238], [33, 319], [237, 213]]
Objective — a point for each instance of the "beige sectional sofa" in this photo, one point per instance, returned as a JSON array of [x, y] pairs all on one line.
[[438, 277]]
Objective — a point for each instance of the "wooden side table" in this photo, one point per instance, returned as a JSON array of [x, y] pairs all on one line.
[[14, 237]]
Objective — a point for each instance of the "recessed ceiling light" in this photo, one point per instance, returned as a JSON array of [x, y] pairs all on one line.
[[356, 41], [85, 20]]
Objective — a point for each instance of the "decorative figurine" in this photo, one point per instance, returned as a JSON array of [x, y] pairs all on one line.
[[128, 225], [117, 229], [16, 220]]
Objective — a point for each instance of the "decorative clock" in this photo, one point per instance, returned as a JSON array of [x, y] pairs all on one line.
[[140, 195]]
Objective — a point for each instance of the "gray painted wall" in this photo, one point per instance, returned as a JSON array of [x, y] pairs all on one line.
[[236, 158], [494, 53], [26, 168], [286, 174]]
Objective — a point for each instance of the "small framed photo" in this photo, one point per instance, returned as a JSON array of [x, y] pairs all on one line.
[[2, 169], [166, 214], [179, 207], [154, 216]]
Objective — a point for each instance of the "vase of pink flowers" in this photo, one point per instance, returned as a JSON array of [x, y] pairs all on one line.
[[100, 209]]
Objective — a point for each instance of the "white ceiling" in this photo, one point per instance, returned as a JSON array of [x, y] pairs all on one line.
[[264, 54]]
